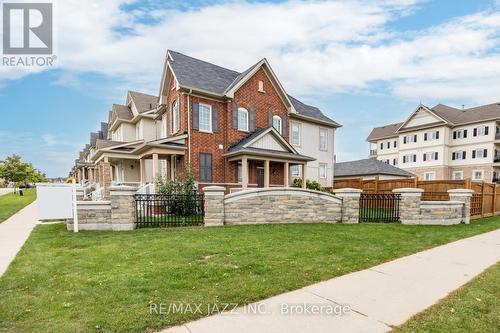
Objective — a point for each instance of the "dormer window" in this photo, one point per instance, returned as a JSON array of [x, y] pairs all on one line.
[[261, 86], [277, 124]]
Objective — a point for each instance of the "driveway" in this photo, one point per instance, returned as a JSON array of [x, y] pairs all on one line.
[[378, 298]]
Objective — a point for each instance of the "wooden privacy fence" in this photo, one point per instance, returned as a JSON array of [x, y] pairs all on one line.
[[485, 200]]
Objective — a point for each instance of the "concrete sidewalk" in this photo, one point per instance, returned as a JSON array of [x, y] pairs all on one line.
[[380, 297], [13, 233]]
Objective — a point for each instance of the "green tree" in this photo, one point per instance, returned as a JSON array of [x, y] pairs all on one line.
[[14, 170]]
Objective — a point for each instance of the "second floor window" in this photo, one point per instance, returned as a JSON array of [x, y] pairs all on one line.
[[323, 139], [410, 139], [431, 156], [175, 117], [410, 158], [480, 131], [242, 119], [460, 134], [277, 124], [205, 118], [480, 153], [295, 134], [458, 155], [431, 136]]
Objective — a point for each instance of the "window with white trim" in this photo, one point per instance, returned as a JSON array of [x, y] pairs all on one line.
[[242, 119], [429, 175], [457, 175], [430, 156], [277, 124], [323, 139], [480, 131], [410, 139], [410, 158], [295, 171], [163, 126], [431, 136], [386, 161], [480, 153], [459, 155], [240, 173], [205, 117], [322, 170], [460, 134], [295, 137], [175, 117], [478, 175]]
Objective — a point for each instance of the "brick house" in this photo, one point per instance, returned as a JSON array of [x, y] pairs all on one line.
[[238, 130]]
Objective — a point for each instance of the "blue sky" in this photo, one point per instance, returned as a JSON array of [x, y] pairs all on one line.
[[364, 63]]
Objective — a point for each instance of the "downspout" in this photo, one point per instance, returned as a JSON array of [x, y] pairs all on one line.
[[189, 125]]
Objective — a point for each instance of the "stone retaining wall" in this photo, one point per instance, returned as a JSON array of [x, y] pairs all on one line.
[[279, 205], [92, 215]]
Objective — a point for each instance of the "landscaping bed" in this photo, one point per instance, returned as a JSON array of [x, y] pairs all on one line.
[[107, 281]]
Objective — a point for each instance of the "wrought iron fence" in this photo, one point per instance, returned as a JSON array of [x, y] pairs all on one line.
[[379, 207], [172, 210]]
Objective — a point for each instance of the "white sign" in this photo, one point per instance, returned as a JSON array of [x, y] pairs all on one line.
[[54, 201]]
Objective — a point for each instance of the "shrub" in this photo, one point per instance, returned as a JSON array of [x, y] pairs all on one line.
[[310, 184], [297, 182]]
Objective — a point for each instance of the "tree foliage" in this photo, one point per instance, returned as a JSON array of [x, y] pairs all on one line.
[[14, 170]]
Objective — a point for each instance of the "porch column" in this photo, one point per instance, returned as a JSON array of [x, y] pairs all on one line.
[[142, 170], [287, 177], [266, 173], [244, 173], [304, 175], [79, 178], [172, 167], [155, 167]]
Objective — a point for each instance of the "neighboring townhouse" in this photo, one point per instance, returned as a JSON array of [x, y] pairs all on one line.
[[237, 130], [443, 143], [368, 169]]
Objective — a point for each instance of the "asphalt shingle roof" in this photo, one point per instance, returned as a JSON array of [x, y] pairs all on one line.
[[199, 74], [122, 112], [143, 102], [368, 167], [239, 145]]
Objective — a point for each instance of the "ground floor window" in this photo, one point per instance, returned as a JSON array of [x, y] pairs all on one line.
[[322, 170], [478, 175], [240, 173], [458, 175], [429, 175], [205, 162], [295, 170]]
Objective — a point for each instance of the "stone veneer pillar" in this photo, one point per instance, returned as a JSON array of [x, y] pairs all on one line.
[[409, 207], [214, 206], [106, 180], [350, 204], [122, 207], [464, 196]]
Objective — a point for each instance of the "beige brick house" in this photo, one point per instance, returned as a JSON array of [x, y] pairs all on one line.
[[443, 142]]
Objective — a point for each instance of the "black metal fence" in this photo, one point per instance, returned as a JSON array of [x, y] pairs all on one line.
[[173, 210], [379, 207]]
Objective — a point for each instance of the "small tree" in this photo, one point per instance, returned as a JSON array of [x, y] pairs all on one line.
[[14, 170]]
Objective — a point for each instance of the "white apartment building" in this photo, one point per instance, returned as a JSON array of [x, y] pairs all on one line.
[[443, 143]]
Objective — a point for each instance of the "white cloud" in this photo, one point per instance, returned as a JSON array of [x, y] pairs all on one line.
[[320, 47]]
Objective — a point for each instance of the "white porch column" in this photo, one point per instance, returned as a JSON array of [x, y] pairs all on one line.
[[142, 170], [156, 169], [244, 172], [304, 175], [172, 167], [266, 173], [286, 181]]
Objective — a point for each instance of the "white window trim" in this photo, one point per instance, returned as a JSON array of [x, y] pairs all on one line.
[[175, 117], [326, 139], [280, 130], [239, 174], [245, 111], [210, 119], [299, 167], [432, 173], [454, 173], [319, 170], [299, 125], [474, 174]]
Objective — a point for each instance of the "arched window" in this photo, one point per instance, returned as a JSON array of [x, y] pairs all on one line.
[[242, 119], [277, 123]]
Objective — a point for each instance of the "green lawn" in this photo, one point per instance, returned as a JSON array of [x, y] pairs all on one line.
[[105, 281], [11, 203], [473, 308]]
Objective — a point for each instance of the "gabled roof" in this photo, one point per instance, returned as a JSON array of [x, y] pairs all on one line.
[[122, 112], [368, 167], [452, 116], [100, 143], [421, 107], [200, 75], [143, 102]]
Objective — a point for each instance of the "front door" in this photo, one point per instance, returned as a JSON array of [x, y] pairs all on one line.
[[260, 177]]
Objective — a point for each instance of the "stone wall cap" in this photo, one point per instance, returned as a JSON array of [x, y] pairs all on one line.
[[280, 191], [408, 190], [444, 203], [348, 190], [123, 188], [460, 191], [92, 203], [214, 189]]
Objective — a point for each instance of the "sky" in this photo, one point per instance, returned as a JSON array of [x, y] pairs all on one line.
[[363, 63]]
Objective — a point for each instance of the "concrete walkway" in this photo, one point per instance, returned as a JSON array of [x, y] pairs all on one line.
[[13, 233], [380, 297]]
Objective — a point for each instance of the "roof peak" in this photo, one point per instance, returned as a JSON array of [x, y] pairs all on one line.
[[197, 59]]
